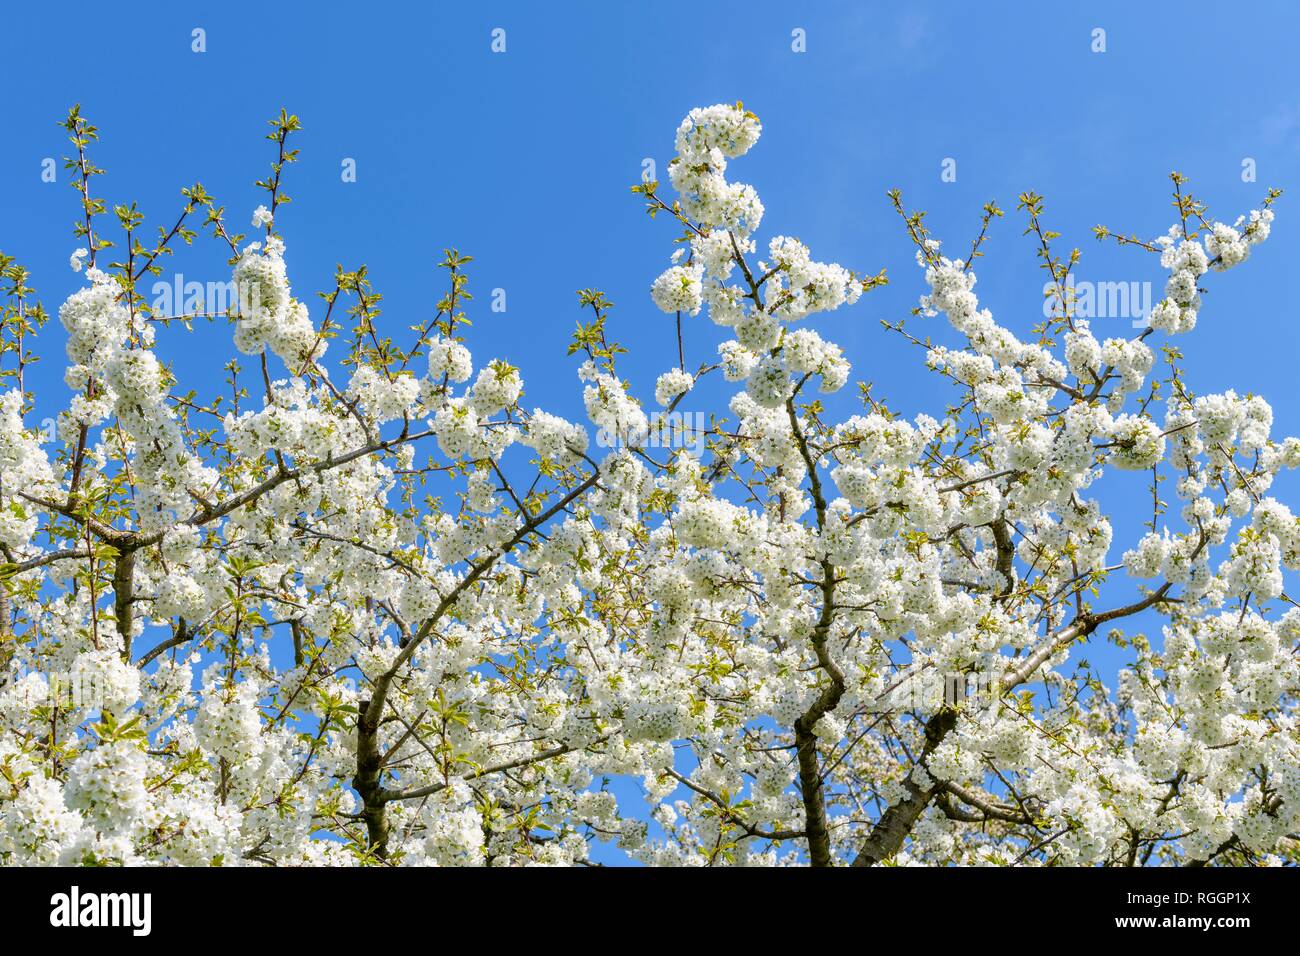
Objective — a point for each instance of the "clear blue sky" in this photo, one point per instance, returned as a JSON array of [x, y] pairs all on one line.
[[523, 159]]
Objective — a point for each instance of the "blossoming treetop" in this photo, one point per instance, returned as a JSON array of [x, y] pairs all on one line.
[[326, 620]]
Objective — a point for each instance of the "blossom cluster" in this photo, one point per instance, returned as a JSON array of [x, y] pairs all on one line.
[[397, 616]]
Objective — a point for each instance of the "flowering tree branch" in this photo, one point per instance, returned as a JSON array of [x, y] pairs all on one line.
[[369, 585]]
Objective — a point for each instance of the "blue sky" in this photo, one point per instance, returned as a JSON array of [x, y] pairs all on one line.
[[523, 159]]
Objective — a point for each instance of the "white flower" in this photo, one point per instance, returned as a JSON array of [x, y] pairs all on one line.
[[678, 289], [240, 619], [450, 358], [671, 384]]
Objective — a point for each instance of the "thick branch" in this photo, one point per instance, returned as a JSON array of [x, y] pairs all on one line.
[[810, 775]]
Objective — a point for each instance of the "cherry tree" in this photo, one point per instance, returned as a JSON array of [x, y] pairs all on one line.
[[363, 605]]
